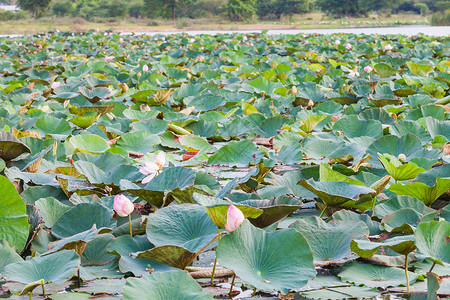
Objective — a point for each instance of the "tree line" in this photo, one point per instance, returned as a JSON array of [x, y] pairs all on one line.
[[235, 10]]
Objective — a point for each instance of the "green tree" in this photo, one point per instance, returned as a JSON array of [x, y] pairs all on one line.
[[342, 8], [379, 5], [167, 8], [282, 7], [37, 7], [241, 10]]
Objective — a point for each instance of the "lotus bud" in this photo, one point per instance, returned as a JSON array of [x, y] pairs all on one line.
[[310, 103], [55, 84], [145, 108], [388, 47], [139, 74], [121, 40], [334, 118], [123, 206], [235, 217], [337, 42], [294, 90], [145, 68], [402, 157], [348, 46]]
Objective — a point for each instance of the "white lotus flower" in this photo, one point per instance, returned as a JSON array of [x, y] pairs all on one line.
[[151, 168], [354, 73]]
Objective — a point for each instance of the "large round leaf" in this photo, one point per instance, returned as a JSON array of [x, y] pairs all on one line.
[[330, 242], [397, 169], [421, 191], [336, 193], [432, 240], [185, 225], [56, 267], [235, 154], [7, 255], [13, 215], [400, 244], [174, 285], [280, 260], [126, 244], [50, 209], [81, 218], [11, 147], [90, 143], [375, 276]]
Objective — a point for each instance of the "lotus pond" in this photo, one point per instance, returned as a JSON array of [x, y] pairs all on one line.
[[333, 148]]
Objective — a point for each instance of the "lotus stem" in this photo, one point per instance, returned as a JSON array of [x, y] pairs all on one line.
[[254, 292], [215, 264], [373, 204], [232, 284], [79, 277], [31, 295], [43, 290], [406, 273], [432, 267], [323, 211], [129, 222]]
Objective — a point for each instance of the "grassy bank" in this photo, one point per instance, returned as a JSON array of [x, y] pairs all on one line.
[[310, 20]]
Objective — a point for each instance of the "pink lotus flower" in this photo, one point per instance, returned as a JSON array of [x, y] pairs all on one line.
[[145, 108], [108, 58], [151, 168], [145, 68], [123, 206], [244, 38], [368, 69], [388, 47], [348, 46], [337, 42], [121, 40], [55, 84], [235, 217]]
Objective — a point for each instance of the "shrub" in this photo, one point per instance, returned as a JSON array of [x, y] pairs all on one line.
[[10, 15], [441, 18], [422, 7]]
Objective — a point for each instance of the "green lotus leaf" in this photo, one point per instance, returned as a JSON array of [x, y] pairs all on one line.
[[236, 154], [185, 225], [398, 202], [50, 209], [336, 193], [400, 244], [421, 191], [173, 256], [421, 68], [53, 126], [425, 111], [84, 121], [138, 141], [11, 147], [192, 142], [409, 145], [430, 176], [350, 216], [96, 94], [342, 293], [8, 255], [330, 242], [384, 70], [82, 217], [176, 285], [90, 143], [98, 110], [76, 242], [124, 245], [153, 126], [262, 85], [375, 276], [436, 127], [328, 174], [404, 220], [280, 260], [397, 169], [96, 254], [432, 241], [404, 127], [217, 209], [42, 76], [56, 267], [272, 210], [353, 127], [13, 216]]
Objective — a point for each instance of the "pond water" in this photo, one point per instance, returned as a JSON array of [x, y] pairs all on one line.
[[414, 30]]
